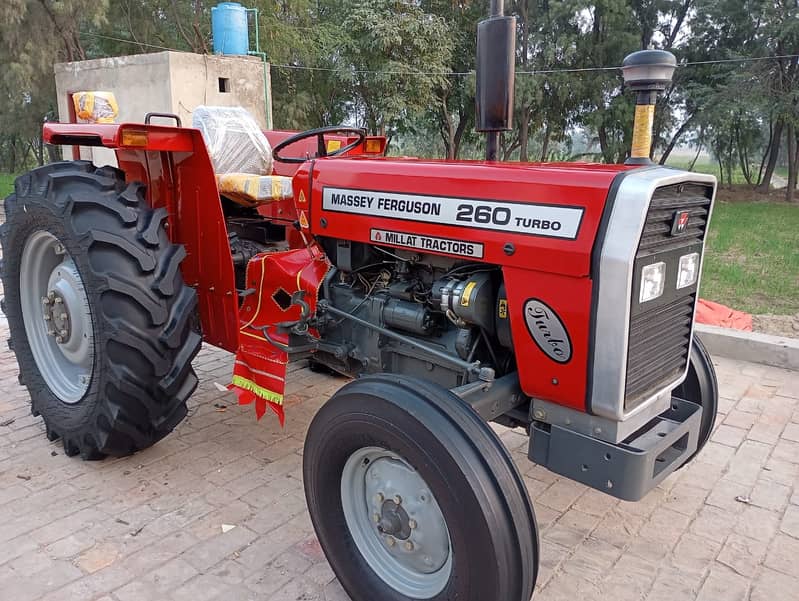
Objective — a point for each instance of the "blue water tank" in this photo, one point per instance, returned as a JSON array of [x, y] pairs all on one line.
[[229, 28]]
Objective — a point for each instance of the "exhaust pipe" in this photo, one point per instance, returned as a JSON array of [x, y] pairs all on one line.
[[646, 72], [496, 69]]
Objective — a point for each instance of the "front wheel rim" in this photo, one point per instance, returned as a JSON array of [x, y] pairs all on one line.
[[57, 317], [396, 523]]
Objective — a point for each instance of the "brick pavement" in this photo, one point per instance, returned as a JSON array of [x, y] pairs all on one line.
[[150, 527]]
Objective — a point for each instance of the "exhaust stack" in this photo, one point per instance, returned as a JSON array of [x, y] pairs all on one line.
[[496, 62], [646, 72]]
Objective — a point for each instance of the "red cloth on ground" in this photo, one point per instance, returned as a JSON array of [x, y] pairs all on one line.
[[716, 314]]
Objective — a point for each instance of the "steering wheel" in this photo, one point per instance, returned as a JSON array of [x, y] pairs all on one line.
[[321, 148]]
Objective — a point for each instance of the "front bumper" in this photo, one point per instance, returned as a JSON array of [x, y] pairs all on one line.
[[629, 469]]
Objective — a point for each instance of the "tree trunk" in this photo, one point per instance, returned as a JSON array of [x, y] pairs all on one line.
[[792, 164], [766, 151], [53, 153], [545, 143], [446, 128], [773, 155], [602, 134], [729, 162], [686, 5], [524, 130], [449, 140], [743, 159], [675, 138], [12, 156], [696, 157], [463, 123]]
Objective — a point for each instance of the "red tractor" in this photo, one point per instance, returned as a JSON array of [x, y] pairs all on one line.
[[558, 298]]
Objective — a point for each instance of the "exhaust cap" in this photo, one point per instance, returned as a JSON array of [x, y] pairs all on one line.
[[648, 70]]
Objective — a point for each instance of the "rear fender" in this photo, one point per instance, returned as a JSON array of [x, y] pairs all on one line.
[[174, 164]]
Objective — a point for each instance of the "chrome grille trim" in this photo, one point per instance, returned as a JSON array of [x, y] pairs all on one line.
[[617, 256]]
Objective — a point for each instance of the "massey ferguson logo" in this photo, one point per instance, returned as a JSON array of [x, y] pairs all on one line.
[[679, 222]]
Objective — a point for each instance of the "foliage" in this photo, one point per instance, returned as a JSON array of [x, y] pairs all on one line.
[[752, 258], [405, 68], [33, 35], [395, 54], [6, 185]]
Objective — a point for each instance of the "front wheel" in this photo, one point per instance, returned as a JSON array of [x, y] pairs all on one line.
[[413, 496], [701, 387]]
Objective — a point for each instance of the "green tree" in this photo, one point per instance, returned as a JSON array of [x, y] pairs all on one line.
[[453, 111], [34, 34], [396, 58], [137, 26], [736, 98], [304, 40]]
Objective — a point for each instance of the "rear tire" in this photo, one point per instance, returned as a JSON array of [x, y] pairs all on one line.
[[407, 436], [127, 300]]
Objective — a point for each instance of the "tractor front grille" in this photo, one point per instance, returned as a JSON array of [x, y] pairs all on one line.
[[660, 330], [658, 348], [694, 198]]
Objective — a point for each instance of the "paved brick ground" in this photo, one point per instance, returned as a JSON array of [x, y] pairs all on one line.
[[150, 526]]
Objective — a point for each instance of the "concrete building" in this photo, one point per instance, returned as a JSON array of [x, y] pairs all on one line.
[[169, 82]]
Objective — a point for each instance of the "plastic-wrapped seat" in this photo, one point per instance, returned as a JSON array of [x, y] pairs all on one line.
[[241, 156]]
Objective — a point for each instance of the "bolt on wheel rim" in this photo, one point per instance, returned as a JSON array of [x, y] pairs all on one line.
[[396, 523], [57, 318]]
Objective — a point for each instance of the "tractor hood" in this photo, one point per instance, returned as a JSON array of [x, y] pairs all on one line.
[[535, 216]]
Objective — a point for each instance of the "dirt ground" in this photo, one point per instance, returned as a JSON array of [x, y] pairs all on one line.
[[777, 325], [745, 193]]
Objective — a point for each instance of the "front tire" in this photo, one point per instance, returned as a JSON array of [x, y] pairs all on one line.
[[101, 322], [701, 387], [413, 496]]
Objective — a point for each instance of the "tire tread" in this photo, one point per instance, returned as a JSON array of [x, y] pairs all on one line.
[[134, 409]]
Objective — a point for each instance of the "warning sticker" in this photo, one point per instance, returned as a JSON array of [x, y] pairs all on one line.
[[428, 243], [524, 218], [503, 308]]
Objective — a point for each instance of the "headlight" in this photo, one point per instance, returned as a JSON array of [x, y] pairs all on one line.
[[653, 279], [689, 270]]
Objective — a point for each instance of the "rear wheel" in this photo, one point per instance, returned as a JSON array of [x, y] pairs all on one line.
[[101, 321], [413, 496]]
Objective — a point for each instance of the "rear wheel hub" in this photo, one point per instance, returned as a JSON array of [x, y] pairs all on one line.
[[58, 322]]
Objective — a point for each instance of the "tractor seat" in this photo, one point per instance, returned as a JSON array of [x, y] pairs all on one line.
[[253, 190], [241, 156]]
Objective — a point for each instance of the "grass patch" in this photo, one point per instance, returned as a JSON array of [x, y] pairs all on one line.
[[752, 257], [6, 184], [710, 167]]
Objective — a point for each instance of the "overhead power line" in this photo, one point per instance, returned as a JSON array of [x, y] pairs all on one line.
[[127, 41], [545, 71]]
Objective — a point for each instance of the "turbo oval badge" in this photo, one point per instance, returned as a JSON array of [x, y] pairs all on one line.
[[547, 330]]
